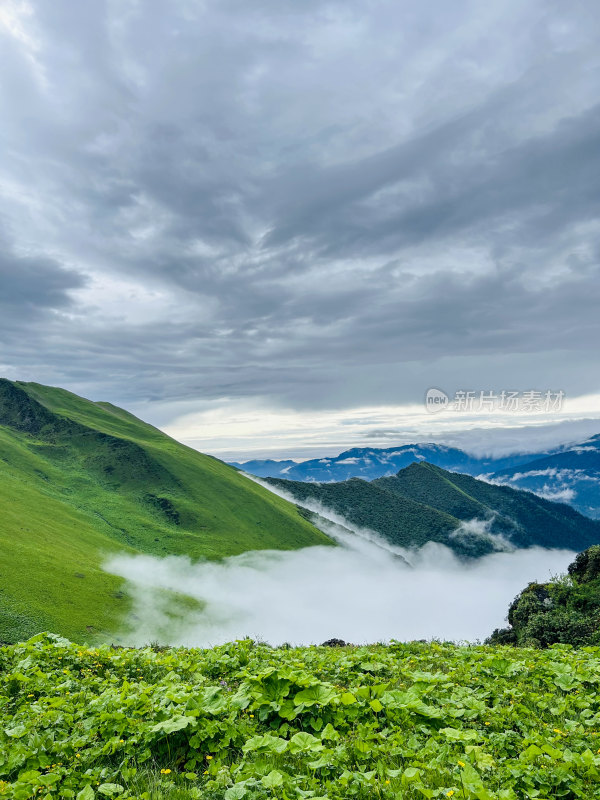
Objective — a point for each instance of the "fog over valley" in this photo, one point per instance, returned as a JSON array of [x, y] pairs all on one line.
[[361, 591]]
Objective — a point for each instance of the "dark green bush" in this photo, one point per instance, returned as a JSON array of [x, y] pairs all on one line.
[[563, 611], [586, 566]]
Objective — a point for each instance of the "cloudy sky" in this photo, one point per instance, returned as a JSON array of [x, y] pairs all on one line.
[[251, 220]]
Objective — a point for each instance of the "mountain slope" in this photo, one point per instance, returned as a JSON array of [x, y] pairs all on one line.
[[80, 480], [521, 516], [401, 520], [426, 503]]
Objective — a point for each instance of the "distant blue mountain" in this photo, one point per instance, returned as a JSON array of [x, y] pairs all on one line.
[[570, 475], [370, 463]]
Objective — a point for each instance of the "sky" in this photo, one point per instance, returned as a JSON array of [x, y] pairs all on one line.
[[270, 227]]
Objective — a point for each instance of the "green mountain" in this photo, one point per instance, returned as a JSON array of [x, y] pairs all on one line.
[[81, 480], [424, 503]]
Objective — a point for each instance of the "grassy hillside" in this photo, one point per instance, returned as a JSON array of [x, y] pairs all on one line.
[[79, 480], [401, 520], [427, 503], [404, 721], [524, 517]]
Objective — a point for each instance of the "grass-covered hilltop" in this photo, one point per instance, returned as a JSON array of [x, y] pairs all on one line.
[[80, 480], [396, 722]]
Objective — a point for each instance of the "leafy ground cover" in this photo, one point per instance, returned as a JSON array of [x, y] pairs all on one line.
[[248, 721]]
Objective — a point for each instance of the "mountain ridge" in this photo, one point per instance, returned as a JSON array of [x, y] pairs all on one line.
[[569, 473], [424, 502], [372, 462], [81, 480]]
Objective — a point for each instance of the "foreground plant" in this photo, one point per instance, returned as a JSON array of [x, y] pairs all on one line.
[[248, 721]]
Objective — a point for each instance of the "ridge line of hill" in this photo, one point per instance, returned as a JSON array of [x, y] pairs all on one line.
[[80, 482]]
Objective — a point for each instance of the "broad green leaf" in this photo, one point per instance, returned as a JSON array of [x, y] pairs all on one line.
[[411, 774], [304, 743], [482, 759], [111, 789], [236, 792], [566, 682], [330, 733], [266, 744], [457, 735], [49, 779], [16, 732], [531, 753], [273, 779], [31, 776], [172, 725], [323, 761], [320, 694]]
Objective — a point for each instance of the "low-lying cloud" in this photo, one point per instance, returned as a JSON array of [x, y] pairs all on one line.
[[362, 593], [482, 529]]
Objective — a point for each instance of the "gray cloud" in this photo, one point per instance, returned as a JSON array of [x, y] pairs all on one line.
[[323, 204], [31, 284]]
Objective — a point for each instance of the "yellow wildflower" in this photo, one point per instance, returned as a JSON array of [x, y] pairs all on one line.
[[450, 793], [461, 763], [208, 758]]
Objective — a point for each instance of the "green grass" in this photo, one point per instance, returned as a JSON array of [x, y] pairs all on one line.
[[81, 480], [395, 722]]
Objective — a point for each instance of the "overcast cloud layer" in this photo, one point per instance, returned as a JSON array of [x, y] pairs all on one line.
[[317, 205]]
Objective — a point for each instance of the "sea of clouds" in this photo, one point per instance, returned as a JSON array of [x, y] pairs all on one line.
[[362, 591]]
